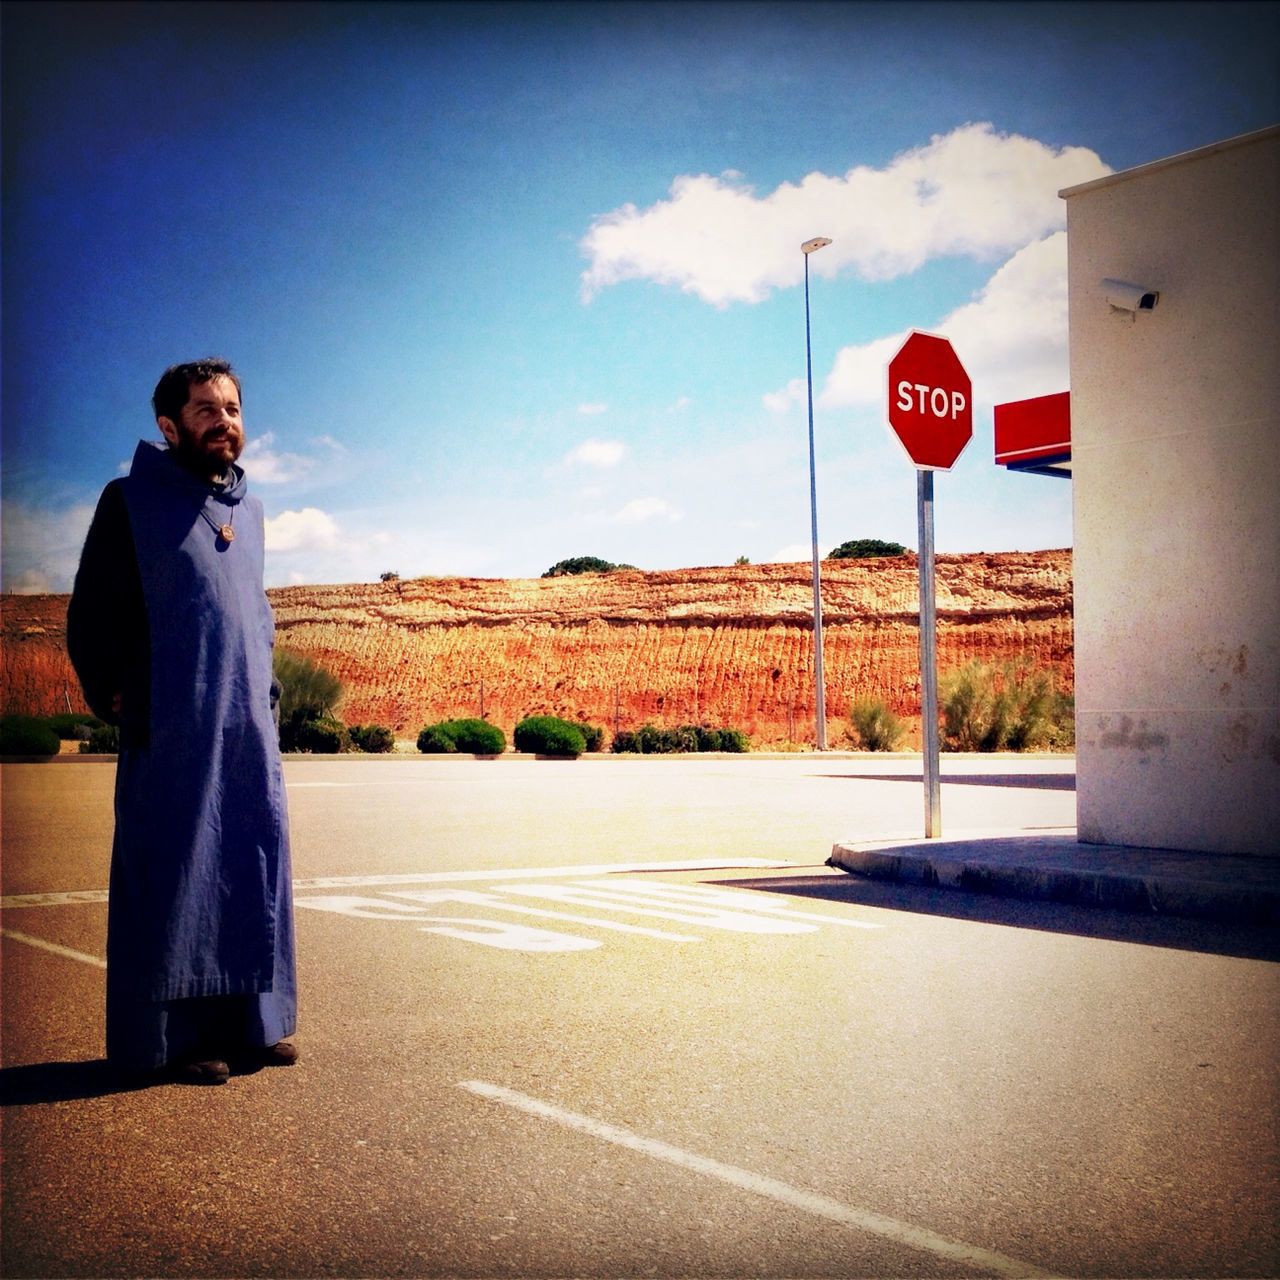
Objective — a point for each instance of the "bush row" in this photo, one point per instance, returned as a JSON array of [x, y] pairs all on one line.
[[1010, 707], [553, 736], [535, 735], [650, 740], [43, 736], [35, 736]]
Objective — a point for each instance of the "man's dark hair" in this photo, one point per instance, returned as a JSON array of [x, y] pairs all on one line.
[[174, 388]]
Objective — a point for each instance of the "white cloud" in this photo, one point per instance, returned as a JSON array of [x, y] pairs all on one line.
[[307, 530], [264, 465], [1013, 336], [596, 453], [638, 510], [32, 582], [1011, 339], [972, 192], [41, 548], [362, 549], [792, 393], [790, 554], [592, 408]]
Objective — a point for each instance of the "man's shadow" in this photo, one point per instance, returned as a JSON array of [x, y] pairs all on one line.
[[64, 1082]]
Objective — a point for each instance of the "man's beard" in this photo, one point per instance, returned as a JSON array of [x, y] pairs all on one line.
[[209, 459]]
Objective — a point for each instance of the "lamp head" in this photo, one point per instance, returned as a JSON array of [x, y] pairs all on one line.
[[818, 242]]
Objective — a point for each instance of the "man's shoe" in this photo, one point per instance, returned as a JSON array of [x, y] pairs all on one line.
[[208, 1071], [283, 1054]]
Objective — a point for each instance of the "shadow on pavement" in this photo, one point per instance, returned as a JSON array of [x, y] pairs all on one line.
[[1242, 941], [63, 1082], [1031, 781]]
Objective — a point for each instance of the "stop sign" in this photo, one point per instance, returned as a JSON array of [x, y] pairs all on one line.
[[930, 401]]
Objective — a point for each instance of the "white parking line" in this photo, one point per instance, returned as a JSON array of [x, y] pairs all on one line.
[[56, 948], [905, 1233], [71, 898], [528, 873], [76, 897]]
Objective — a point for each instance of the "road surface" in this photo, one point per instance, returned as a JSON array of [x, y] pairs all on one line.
[[616, 1018]]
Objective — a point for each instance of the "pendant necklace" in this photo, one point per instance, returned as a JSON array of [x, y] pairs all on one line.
[[226, 534]]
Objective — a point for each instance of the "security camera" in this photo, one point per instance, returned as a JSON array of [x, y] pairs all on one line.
[[1129, 297]]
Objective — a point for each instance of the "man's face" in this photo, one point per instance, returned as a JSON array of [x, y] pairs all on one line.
[[210, 435]]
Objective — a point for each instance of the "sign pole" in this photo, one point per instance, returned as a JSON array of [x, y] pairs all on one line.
[[928, 657], [931, 413]]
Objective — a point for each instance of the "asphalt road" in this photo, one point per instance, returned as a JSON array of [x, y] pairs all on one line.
[[615, 1018]]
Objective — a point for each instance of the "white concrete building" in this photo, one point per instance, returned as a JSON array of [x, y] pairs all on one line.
[[1175, 426]]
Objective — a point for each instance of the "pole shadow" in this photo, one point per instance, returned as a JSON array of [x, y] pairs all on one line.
[[1030, 781]]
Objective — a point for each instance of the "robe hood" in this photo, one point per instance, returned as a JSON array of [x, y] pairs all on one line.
[[154, 460]]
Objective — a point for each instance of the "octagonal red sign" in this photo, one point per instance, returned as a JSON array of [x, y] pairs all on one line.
[[930, 401]]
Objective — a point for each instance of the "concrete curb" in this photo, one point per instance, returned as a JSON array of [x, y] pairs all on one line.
[[1057, 867]]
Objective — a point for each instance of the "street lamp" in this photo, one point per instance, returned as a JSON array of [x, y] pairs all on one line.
[[820, 711]]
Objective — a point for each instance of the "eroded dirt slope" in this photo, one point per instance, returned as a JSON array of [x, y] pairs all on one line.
[[731, 646]]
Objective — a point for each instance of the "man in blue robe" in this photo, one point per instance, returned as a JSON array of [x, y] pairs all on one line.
[[170, 633]]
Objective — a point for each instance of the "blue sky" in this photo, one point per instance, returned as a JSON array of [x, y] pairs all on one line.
[[512, 283]]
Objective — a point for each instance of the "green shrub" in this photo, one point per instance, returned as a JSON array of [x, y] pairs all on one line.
[[1012, 707], [650, 740], [479, 737], [583, 564], [73, 726], [375, 739], [434, 741], [878, 729], [655, 741], [469, 736], [580, 564], [323, 736], [104, 740], [1063, 736], [307, 692], [861, 548], [549, 736], [591, 735], [27, 736]]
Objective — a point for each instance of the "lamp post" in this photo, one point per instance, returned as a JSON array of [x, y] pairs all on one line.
[[820, 710]]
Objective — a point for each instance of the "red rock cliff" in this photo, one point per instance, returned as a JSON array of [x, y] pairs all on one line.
[[724, 646]]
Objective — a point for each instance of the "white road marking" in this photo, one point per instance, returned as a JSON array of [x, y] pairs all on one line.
[[69, 899], [385, 908], [493, 900], [506, 936], [905, 1233], [738, 899], [76, 896], [56, 948], [516, 873], [611, 894], [639, 902]]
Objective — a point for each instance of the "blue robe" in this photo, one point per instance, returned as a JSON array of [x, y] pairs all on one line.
[[200, 896]]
